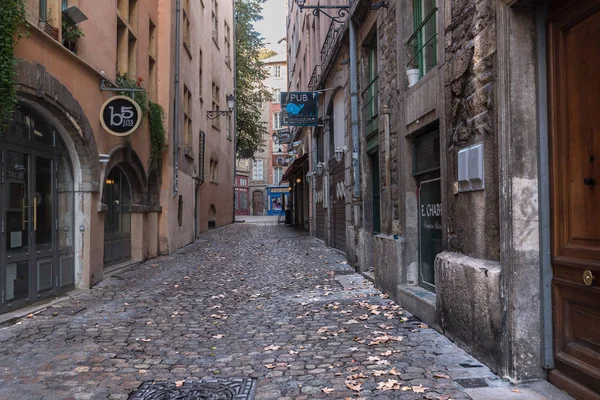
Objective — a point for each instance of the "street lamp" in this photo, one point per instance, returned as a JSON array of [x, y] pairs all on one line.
[[319, 168], [212, 114], [339, 153], [275, 137]]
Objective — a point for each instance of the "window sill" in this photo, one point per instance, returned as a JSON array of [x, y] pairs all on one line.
[[216, 42]]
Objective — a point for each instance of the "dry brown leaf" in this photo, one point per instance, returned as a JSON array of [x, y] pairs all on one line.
[[516, 390], [352, 369], [379, 372], [394, 371], [272, 347], [270, 366], [353, 385], [440, 375], [387, 353], [217, 336], [357, 376], [391, 384], [419, 389], [179, 383], [364, 317], [327, 390]]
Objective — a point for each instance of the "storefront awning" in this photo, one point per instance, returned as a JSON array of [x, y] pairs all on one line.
[[294, 168]]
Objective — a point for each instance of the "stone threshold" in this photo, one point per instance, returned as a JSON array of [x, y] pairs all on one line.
[[36, 308], [115, 269], [419, 302]]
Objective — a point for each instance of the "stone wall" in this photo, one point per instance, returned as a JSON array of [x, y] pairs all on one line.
[[470, 78]]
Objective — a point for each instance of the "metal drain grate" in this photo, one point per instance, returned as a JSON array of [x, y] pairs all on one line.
[[471, 383], [213, 389]]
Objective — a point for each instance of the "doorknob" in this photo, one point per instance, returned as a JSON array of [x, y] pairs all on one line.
[[589, 181], [588, 277]]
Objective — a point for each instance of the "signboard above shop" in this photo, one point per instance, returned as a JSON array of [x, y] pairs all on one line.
[[120, 116], [300, 108], [284, 136]]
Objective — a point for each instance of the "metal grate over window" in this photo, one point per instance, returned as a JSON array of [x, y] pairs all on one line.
[[426, 153]]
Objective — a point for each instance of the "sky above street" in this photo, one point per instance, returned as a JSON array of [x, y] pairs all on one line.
[[272, 27]]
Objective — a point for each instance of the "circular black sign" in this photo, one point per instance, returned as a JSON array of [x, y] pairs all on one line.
[[120, 115]]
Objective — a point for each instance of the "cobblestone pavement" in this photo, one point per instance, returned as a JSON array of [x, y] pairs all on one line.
[[248, 300]]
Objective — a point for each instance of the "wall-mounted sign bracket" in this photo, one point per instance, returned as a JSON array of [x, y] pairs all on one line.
[[116, 89]]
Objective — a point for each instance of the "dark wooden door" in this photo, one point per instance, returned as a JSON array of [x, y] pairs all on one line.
[[338, 205], [574, 89], [258, 201]]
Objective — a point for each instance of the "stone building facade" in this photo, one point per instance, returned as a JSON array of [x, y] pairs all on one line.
[[469, 202], [77, 201]]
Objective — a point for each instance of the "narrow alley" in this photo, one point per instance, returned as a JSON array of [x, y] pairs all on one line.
[[260, 302]]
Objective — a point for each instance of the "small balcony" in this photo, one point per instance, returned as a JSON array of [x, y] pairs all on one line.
[[314, 78], [330, 42]]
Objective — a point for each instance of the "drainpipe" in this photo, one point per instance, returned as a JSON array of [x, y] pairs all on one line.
[[234, 110], [176, 102], [354, 109]]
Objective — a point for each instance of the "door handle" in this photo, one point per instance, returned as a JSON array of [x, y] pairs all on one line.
[[589, 181], [35, 214], [24, 220], [588, 277]]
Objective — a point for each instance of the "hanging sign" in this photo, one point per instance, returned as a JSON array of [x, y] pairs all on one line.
[[284, 136], [120, 115], [300, 108]]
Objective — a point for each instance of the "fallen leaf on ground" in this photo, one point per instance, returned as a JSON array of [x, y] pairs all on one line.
[[440, 376], [516, 390], [391, 384], [394, 371], [379, 372], [419, 389], [357, 387], [217, 336], [270, 366], [179, 383], [272, 347], [327, 390], [386, 353]]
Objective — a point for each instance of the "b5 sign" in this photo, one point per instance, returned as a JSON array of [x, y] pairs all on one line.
[[120, 116]]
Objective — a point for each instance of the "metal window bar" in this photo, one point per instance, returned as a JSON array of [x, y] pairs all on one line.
[[330, 41], [370, 97], [417, 43], [314, 79]]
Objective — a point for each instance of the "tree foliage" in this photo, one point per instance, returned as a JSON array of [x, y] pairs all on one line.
[[12, 16], [250, 74], [266, 53]]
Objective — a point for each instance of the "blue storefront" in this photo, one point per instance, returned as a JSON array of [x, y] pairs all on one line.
[[277, 198]]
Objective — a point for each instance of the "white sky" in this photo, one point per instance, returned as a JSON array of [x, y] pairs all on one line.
[[272, 27]]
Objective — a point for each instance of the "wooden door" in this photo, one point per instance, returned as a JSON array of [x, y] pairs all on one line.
[[574, 89], [258, 201]]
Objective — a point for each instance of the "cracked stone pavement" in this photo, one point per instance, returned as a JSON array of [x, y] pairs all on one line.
[[247, 300]]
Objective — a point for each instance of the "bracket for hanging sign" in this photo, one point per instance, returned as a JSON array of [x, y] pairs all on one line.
[[116, 89]]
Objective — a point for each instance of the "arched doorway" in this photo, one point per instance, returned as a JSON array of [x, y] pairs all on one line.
[[258, 203], [117, 220], [36, 211]]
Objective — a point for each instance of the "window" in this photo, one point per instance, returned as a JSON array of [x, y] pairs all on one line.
[[277, 71], [215, 105], [214, 171], [227, 44], [229, 127], [257, 170], [422, 45], [215, 22], [277, 175], [126, 38], [187, 118], [65, 4], [276, 120], [370, 95], [180, 211], [278, 148], [187, 35], [200, 61], [152, 59], [43, 10], [276, 96]]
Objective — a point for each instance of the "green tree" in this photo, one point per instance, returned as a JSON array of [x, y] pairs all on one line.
[[250, 74], [12, 16], [267, 53]]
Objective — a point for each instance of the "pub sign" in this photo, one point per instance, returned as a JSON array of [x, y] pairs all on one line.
[[120, 115], [300, 108]]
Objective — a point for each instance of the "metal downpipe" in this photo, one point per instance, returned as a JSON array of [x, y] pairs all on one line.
[[176, 100], [354, 111]]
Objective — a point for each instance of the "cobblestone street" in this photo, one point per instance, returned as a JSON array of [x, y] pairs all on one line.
[[249, 301]]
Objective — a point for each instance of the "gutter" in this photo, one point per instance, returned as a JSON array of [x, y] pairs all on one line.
[[176, 101]]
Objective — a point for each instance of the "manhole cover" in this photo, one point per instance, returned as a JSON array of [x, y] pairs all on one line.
[[471, 383], [213, 389]]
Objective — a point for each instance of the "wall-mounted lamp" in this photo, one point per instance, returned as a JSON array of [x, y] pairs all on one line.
[[212, 114], [339, 153], [110, 181], [275, 138], [319, 168], [104, 158], [298, 180]]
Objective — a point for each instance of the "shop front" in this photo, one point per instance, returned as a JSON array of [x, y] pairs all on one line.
[[36, 210], [278, 197]]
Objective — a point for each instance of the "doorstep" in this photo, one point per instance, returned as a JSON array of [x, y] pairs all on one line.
[[13, 316], [419, 302], [115, 269]]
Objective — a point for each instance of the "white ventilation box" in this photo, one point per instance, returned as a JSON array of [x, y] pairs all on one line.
[[470, 168]]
